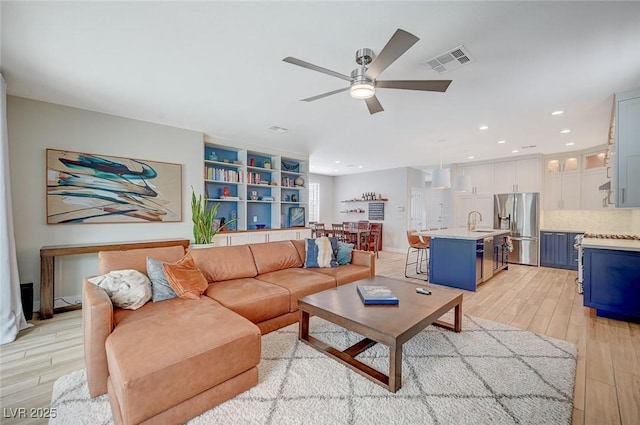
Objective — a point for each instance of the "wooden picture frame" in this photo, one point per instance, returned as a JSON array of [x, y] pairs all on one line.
[[92, 188]]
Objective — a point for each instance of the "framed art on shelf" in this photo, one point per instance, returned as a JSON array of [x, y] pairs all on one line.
[[91, 188], [296, 217]]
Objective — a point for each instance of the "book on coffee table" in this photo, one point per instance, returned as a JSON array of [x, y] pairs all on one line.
[[376, 294]]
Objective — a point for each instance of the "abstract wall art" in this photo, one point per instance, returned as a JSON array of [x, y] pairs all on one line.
[[89, 188]]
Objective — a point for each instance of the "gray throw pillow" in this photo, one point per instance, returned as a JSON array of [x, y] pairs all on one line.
[[160, 288]]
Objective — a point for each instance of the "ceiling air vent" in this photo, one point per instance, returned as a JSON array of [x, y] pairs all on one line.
[[450, 60], [278, 129]]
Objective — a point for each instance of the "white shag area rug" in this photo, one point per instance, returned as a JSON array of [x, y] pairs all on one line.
[[488, 374]]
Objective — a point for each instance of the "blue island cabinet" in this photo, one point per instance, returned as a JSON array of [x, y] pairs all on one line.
[[455, 263], [612, 283]]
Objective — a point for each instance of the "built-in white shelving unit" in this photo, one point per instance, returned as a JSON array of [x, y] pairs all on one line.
[[260, 189]]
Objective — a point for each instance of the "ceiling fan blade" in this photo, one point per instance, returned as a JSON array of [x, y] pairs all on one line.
[[374, 105], [399, 43], [425, 85], [320, 96], [317, 68]]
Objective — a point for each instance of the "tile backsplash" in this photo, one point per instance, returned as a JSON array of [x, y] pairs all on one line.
[[595, 221]]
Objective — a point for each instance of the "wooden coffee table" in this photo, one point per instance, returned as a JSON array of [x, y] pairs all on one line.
[[391, 325]]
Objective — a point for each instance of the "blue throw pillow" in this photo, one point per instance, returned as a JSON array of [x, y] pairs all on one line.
[[345, 251], [320, 252], [160, 288]]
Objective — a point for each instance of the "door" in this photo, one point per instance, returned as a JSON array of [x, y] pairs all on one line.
[[434, 208], [417, 211]]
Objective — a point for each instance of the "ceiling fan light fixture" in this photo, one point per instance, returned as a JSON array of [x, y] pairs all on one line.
[[362, 90]]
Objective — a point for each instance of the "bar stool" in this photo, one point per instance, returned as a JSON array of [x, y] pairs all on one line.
[[422, 255], [319, 230]]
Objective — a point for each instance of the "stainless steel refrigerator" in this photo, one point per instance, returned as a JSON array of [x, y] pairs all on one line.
[[520, 213]]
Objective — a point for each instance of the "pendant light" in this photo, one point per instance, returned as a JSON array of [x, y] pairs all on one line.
[[463, 183], [441, 178]]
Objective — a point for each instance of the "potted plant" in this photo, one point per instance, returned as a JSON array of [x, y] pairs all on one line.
[[203, 215]]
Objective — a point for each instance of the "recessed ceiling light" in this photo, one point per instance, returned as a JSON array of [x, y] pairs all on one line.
[[557, 113], [338, 162], [514, 151], [502, 142], [570, 143], [335, 170], [483, 127], [565, 131], [470, 157], [360, 166]]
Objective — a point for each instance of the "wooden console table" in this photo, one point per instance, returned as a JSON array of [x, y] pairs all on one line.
[[47, 265]]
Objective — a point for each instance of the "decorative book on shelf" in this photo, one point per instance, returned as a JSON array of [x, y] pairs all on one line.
[[376, 294]]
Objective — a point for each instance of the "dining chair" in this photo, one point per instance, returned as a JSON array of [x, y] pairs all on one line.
[[421, 249], [337, 231], [349, 237], [363, 234], [374, 237]]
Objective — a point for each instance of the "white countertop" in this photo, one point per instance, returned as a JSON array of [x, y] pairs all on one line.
[[463, 233], [618, 244]]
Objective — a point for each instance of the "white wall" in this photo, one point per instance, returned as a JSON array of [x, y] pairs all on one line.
[[35, 126], [392, 184], [326, 198]]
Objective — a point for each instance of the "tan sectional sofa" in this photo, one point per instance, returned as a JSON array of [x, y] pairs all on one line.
[[170, 361]]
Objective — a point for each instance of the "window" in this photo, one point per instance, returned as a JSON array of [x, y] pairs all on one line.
[[314, 201]]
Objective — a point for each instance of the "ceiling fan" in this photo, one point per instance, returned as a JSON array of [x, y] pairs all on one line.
[[363, 81]]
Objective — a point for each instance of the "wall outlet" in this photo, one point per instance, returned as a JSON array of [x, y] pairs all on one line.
[[255, 218]]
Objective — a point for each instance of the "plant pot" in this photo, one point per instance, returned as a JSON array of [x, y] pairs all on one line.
[[201, 245]]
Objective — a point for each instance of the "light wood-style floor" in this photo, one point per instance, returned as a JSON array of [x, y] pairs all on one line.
[[538, 299]]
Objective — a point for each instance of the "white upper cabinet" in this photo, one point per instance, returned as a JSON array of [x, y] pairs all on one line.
[[628, 149], [562, 191], [517, 176], [481, 176], [562, 164]]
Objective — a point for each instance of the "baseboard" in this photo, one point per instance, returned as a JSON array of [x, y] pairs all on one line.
[[394, 250], [66, 301]]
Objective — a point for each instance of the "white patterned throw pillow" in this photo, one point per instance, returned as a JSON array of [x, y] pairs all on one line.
[[128, 289]]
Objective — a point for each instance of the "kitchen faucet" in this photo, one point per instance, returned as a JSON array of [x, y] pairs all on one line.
[[471, 225]]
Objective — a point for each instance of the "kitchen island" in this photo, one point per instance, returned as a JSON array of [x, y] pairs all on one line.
[[612, 277], [462, 259]]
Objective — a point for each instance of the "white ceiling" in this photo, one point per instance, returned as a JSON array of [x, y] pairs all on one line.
[[216, 67]]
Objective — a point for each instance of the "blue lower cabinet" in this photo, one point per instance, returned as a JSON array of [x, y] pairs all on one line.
[[612, 283], [556, 250], [454, 262]]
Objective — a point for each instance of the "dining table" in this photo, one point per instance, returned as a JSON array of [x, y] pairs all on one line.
[[357, 235]]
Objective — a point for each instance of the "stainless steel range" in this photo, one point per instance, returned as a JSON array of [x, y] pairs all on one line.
[[578, 245]]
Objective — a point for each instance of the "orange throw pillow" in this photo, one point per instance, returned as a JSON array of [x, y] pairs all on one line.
[[185, 278]]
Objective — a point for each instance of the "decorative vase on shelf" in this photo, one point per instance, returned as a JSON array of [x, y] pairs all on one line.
[[299, 181]]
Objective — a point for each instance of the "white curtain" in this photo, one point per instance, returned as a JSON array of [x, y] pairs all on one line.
[[11, 315]]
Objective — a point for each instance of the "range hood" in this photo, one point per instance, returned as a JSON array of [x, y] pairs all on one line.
[[606, 186]]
